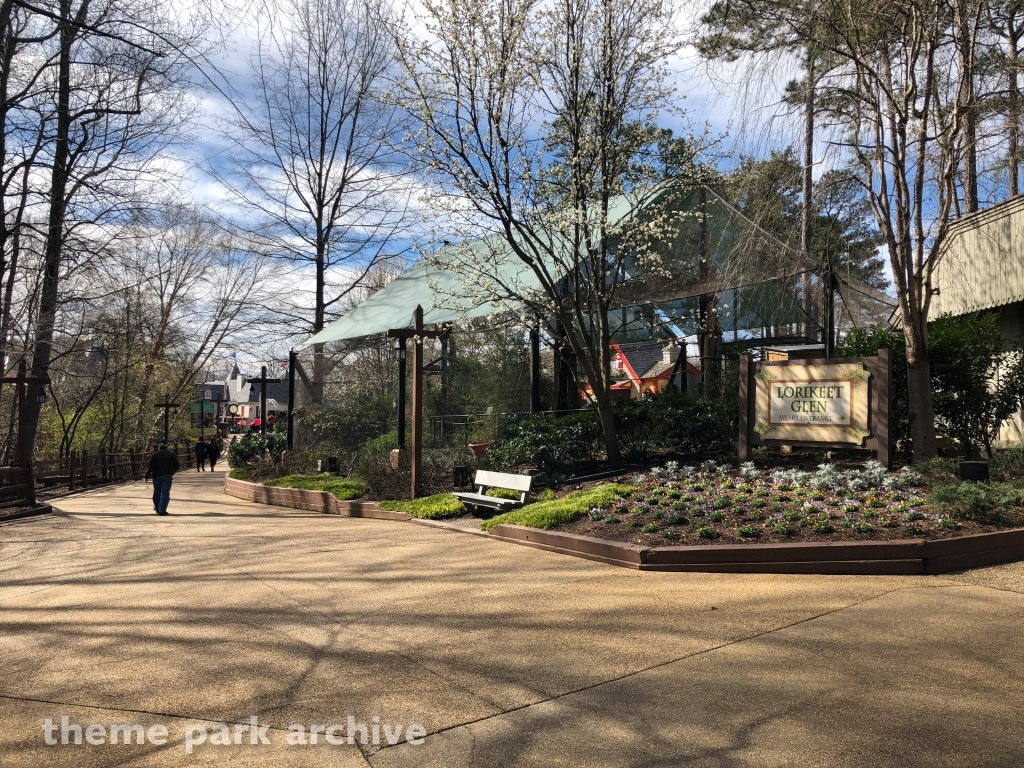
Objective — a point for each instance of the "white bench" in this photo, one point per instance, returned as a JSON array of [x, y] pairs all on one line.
[[485, 480]]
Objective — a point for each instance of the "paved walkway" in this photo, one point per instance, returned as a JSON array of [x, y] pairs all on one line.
[[507, 656]]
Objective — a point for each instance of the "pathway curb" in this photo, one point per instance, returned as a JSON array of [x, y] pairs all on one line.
[[905, 557]]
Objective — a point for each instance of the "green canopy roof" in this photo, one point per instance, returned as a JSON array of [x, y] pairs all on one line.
[[472, 279], [460, 282], [446, 295]]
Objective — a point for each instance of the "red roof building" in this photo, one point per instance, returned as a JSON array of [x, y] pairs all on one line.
[[646, 368]]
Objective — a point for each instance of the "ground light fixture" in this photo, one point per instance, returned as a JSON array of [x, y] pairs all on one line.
[[399, 349], [41, 396]]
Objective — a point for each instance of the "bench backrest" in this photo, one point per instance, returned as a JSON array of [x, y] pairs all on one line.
[[503, 480]]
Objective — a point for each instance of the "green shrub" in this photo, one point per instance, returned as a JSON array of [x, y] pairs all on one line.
[[553, 443], [939, 470], [964, 354], [253, 446], [865, 342], [984, 502], [695, 428], [650, 528], [341, 488], [437, 507], [1008, 464], [707, 532], [977, 384], [670, 533], [548, 514], [240, 474], [748, 532]]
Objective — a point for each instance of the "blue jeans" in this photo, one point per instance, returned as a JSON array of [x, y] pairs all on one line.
[[162, 492]]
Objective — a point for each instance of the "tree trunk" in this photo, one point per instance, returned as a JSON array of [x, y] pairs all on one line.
[[606, 414], [970, 171], [53, 252], [919, 386], [1012, 157], [807, 184], [319, 320]]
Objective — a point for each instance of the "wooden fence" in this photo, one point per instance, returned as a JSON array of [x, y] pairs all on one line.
[[80, 470]]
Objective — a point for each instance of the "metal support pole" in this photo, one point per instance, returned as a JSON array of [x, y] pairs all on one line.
[[263, 400], [292, 360], [534, 370], [401, 392], [417, 401]]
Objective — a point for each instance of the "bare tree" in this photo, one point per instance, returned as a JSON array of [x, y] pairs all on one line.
[[110, 100], [310, 158], [536, 124]]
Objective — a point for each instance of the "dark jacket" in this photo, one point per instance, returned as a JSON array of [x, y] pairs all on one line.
[[163, 462], [213, 451], [201, 450]]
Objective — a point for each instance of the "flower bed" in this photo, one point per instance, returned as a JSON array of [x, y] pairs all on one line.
[[712, 504]]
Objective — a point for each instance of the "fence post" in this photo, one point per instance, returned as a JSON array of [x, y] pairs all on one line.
[[85, 468], [71, 470], [131, 458], [103, 465]]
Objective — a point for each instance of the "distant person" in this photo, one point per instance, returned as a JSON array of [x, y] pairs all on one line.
[[213, 452], [201, 453], [162, 466]]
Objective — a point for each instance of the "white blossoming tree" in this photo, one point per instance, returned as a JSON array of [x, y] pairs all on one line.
[[535, 124]]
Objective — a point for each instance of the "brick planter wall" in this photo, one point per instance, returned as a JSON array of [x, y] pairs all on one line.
[[315, 501]]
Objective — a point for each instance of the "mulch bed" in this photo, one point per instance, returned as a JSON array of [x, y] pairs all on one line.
[[708, 507]]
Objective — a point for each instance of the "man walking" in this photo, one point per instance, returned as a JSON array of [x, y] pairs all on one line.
[[201, 452], [162, 466]]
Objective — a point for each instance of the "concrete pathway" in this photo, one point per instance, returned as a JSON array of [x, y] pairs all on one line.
[[507, 656]]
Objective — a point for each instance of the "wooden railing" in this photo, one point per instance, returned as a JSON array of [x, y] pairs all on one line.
[[80, 470], [16, 487]]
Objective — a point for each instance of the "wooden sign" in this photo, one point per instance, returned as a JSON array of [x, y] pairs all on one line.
[[822, 403]]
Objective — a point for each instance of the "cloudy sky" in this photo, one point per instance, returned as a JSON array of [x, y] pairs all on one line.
[[738, 105]]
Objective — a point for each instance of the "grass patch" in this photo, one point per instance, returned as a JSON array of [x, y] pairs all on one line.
[[435, 507], [240, 474], [503, 493], [548, 514], [341, 488]]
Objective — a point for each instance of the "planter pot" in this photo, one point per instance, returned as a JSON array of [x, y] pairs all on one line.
[[479, 450]]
